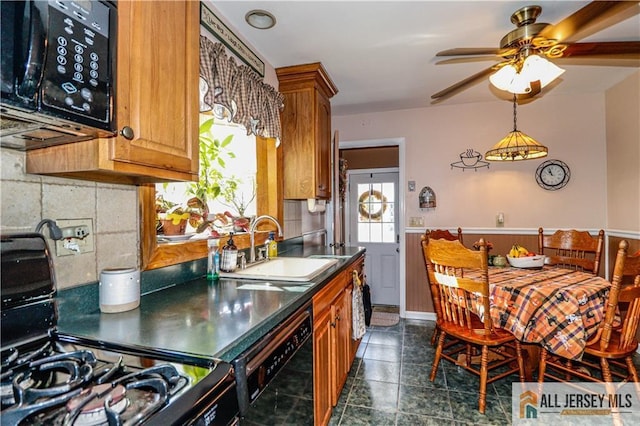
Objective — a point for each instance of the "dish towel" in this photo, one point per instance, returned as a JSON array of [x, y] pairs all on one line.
[[357, 308]]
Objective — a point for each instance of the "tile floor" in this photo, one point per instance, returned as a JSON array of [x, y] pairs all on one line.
[[388, 385]]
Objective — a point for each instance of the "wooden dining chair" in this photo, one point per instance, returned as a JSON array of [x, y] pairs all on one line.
[[437, 234], [444, 234], [611, 346], [464, 305], [630, 274], [572, 249]]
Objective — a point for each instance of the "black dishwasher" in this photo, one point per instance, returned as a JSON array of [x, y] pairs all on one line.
[[274, 377]]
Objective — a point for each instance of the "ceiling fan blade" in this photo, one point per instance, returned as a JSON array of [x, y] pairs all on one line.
[[626, 49], [461, 51], [463, 83], [592, 14]]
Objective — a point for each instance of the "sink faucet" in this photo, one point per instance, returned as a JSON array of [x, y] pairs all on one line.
[[252, 230]]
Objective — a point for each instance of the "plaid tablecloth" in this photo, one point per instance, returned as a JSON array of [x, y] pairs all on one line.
[[557, 308]]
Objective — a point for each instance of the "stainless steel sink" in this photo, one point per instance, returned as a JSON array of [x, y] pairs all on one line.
[[284, 269]]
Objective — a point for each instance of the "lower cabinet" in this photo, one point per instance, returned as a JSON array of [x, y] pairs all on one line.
[[333, 348]]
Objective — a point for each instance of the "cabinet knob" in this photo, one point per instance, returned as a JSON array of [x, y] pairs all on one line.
[[127, 132], [333, 324]]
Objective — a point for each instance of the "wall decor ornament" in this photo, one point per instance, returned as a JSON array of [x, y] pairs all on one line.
[[427, 198], [470, 159]]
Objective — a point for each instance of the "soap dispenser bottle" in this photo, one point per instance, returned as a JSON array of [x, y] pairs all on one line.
[[229, 260], [272, 246]]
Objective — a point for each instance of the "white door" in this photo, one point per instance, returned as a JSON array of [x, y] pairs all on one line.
[[373, 223]]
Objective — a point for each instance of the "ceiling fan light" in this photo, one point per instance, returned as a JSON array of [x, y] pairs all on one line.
[[539, 68], [503, 77], [516, 146]]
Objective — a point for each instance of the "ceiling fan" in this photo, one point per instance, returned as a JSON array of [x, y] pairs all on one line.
[[531, 38]]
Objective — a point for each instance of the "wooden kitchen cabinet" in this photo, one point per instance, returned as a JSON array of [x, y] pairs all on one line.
[[333, 347], [156, 99], [306, 130]]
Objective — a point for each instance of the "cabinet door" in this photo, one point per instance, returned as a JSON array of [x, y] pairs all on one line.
[[342, 349], [322, 360], [323, 147], [157, 84]]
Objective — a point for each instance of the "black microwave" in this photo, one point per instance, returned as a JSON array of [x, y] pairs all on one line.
[[57, 73]]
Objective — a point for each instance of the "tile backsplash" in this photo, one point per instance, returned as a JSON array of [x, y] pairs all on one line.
[[26, 199]]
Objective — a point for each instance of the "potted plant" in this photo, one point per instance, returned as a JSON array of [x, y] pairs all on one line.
[[239, 201], [213, 153]]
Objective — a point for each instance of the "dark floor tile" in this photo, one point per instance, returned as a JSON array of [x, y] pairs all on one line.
[[505, 402], [354, 416], [423, 328], [355, 366], [503, 387], [381, 371], [417, 340], [398, 328], [418, 375], [418, 354], [424, 401], [405, 419], [460, 380], [465, 410], [377, 395], [381, 337], [383, 352]]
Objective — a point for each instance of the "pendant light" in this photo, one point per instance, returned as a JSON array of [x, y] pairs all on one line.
[[516, 145]]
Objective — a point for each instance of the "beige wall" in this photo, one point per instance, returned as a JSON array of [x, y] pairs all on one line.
[[623, 155], [572, 127]]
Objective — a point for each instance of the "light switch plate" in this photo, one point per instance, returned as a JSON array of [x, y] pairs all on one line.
[[416, 222], [412, 186]]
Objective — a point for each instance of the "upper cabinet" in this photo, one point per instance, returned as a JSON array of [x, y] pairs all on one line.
[[306, 131], [156, 103]]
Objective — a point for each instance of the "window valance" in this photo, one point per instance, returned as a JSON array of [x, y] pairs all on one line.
[[236, 93]]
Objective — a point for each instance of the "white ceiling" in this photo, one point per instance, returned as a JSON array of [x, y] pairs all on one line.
[[381, 54]]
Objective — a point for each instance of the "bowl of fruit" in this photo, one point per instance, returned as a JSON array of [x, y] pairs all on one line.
[[520, 257]]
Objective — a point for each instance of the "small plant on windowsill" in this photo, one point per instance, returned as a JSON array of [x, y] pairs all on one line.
[[239, 201], [213, 155]]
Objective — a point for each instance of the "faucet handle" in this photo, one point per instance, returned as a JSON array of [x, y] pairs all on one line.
[[262, 253], [242, 260]]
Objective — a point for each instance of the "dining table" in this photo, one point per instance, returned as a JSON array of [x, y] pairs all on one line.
[[557, 308]]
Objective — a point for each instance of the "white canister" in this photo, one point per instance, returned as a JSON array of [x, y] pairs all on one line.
[[119, 289]]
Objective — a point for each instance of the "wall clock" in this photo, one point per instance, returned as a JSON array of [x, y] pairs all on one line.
[[553, 174]]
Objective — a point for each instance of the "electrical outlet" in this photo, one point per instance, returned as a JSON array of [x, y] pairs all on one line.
[[500, 220], [78, 236]]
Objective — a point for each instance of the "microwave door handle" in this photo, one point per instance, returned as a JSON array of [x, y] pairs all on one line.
[[36, 14]]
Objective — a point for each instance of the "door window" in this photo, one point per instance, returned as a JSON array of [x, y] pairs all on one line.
[[376, 212]]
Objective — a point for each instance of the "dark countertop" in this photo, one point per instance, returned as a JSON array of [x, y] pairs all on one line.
[[201, 318]]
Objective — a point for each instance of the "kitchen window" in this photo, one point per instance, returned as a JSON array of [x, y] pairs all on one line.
[[268, 200]]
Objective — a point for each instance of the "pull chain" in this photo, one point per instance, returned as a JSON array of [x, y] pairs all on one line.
[[515, 127]]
